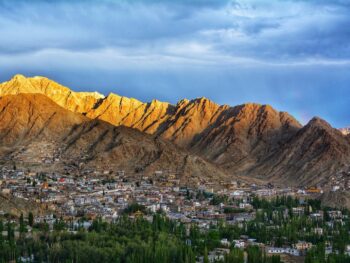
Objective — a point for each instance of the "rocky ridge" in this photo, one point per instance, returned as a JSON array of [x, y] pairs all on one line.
[[250, 139]]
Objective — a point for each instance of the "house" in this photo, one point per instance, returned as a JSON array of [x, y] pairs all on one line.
[[335, 214], [347, 250], [293, 252], [328, 250], [335, 188], [318, 231], [237, 193], [218, 254], [314, 190], [245, 206], [301, 192], [318, 215], [298, 211], [302, 245], [279, 250], [62, 180], [265, 192], [27, 259], [239, 244], [225, 242]]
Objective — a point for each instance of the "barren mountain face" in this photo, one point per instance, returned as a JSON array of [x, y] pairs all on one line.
[[27, 116], [251, 140], [33, 126], [312, 155]]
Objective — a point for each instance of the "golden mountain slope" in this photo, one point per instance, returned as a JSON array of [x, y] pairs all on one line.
[[179, 123], [248, 139], [130, 112], [27, 116], [29, 120], [63, 96]]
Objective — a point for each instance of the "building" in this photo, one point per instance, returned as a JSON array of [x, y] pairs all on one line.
[[279, 250], [302, 245]]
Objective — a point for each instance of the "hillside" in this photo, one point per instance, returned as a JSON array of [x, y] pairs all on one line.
[[247, 140], [35, 126]]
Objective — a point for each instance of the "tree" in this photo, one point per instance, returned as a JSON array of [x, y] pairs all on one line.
[[205, 255], [1, 229], [235, 256], [10, 233], [59, 225], [31, 219], [22, 226], [254, 254], [132, 208]]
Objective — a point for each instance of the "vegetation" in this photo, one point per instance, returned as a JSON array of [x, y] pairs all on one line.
[[126, 240], [158, 239]]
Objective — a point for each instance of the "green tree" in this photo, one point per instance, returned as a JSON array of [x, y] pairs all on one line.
[[10, 233], [1, 237], [205, 255], [30, 219], [22, 226]]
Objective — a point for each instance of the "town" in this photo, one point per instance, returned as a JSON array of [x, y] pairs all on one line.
[[107, 195]]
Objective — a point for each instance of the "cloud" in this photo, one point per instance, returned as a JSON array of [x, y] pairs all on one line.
[[80, 25], [281, 52], [264, 30], [285, 31]]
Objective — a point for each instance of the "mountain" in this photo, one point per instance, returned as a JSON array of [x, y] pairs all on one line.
[[63, 96], [242, 135], [178, 123], [310, 156], [130, 112], [27, 116], [34, 126], [250, 140]]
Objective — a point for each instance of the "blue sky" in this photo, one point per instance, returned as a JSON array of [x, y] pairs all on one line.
[[292, 54]]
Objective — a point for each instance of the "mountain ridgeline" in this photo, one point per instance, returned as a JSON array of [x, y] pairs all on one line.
[[199, 137]]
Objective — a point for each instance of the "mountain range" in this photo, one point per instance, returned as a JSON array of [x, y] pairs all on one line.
[[197, 138]]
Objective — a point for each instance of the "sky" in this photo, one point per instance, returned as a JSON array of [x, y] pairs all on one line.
[[291, 54]]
